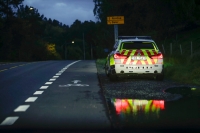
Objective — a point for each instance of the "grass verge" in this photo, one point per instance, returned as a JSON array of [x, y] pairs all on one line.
[[180, 69]]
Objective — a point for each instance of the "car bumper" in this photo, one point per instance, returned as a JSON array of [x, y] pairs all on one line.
[[143, 70]]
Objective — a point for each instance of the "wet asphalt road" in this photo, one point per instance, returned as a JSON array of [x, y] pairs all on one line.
[[59, 96], [51, 95]]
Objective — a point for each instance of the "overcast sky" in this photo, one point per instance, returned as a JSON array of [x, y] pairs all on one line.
[[65, 11]]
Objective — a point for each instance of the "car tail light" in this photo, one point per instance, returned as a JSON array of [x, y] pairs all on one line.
[[157, 56], [119, 56]]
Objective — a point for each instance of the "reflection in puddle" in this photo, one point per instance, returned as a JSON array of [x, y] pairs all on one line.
[[129, 111], [128, 106], [140, 113]]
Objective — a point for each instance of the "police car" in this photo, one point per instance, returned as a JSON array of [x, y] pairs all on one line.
[[134, 55]]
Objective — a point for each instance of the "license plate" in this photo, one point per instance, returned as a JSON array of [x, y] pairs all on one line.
[[138, 58]]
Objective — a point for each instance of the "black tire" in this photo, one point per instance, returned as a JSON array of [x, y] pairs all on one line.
[[112, 77], [106, 71], [160, 77]]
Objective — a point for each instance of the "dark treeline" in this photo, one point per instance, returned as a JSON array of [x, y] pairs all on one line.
[[160, 19], [26, 35]]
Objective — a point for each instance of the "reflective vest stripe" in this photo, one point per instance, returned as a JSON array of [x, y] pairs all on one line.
[[128, 54], [128, 60], [134, 54], [155, 53], [146, 53], [139, 62], [151, 61], [142, 54], [123, 52], [146, 62], [149, 54]]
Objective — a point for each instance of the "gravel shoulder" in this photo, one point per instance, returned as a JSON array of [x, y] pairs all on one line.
[[138, 88]]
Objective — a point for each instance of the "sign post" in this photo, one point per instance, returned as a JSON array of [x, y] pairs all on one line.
[[116, 32], [115, 20]]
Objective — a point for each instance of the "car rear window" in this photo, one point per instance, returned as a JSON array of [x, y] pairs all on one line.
[[137, 45]]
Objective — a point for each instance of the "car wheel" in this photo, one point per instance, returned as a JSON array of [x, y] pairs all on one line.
[[112, 77], [160, 77], [106, 71]]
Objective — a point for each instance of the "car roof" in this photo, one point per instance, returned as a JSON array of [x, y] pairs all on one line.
[[135, 38], [143, 40]]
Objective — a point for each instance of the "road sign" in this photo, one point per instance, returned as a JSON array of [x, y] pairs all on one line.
[[115, 21], [115, 18]]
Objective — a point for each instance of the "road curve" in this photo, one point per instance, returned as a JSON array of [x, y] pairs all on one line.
[[52, 95]]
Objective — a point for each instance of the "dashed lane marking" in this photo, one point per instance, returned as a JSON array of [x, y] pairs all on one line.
[[22, 108], [3, 70], [13, 67], [31, 99], [38, 92], [48, 83], [9, 120], [44, 87]]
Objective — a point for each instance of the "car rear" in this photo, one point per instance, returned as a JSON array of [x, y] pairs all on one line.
[[138, 57]]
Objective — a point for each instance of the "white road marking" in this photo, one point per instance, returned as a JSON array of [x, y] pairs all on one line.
[[13, 67], [48, 83], [22, 108], [44, 87], [58, 73], [38, 92], [68, 85], [31, 99], [3, 70], [76, 81], [55, 76], [52, 79], [9, 120], [73, 63]]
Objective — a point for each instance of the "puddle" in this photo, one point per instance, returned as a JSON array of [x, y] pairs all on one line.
[[157, 114], [185, 92]]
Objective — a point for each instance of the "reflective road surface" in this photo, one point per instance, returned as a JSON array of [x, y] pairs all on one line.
[[157, 115]]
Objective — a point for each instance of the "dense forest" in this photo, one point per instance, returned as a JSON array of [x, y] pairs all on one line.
[[26, 35]]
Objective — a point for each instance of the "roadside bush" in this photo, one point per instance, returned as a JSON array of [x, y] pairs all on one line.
[[101, 61], [195, 58], [195, 76]]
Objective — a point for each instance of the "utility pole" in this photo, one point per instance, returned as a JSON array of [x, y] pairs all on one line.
[[91, 53], [116, 32], [7, 2], [65, 51], [83, 47]]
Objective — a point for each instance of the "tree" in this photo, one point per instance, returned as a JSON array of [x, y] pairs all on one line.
[[6, 7]]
